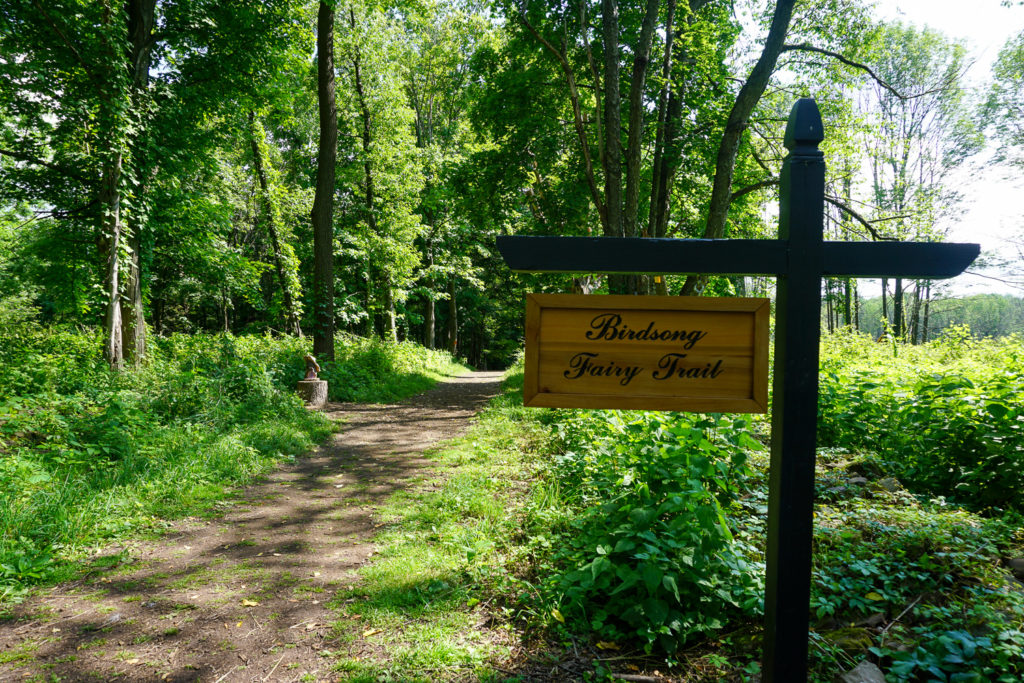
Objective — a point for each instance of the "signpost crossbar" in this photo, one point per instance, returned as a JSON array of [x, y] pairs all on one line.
[[922, 260]]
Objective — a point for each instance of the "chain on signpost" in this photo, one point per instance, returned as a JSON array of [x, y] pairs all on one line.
[[710, 354]]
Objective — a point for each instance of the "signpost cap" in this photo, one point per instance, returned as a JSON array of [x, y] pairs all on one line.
[[804, 128]]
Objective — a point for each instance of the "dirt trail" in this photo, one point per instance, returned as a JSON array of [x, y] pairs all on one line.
[[243, 598]]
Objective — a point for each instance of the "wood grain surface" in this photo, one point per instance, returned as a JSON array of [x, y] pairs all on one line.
[[695, 354]]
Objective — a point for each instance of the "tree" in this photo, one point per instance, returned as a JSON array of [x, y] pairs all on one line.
[[323, 203], [89, 135], [380, 175], [921, 132], [632, 112], [1004, 105]]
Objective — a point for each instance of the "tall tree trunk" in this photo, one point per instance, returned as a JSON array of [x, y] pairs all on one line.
[[856, 305], [915, 315], [430, 319], [141, 21], [110, 200], [612, 118], [830, 308], [133, 323], [453, 319], [925, 332], [369, 197], [270, 220], [847, 302], [390, 317], [430, 314], [322, 214], [897, 310], [739, 116], [885, 302], [641, 58], [655, 209]]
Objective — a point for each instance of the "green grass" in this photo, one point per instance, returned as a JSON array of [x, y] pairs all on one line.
[[445, 545], [88, 457]]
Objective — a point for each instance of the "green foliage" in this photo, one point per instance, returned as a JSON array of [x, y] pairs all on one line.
[[647, 552], [944, 418], [959, 657], [87, 455], [370, 370], [1001, 110]]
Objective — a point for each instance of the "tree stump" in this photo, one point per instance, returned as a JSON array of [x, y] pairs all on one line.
[[313, 392]]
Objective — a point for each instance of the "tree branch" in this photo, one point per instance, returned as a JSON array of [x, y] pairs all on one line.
[[751, 188], [574, 96], [804, 47], [21, 156], [860, 219]]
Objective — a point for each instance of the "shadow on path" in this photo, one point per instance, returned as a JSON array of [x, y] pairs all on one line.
[[243, 598]]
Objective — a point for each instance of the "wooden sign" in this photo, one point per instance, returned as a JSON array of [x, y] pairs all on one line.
[[647, 352]]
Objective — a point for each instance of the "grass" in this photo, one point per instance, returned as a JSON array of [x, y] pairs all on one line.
[[416, 612], [89, 457]]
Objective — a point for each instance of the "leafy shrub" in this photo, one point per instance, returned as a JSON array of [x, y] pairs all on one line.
[[945, 418], [872, 557], [649, 554], [374, 370], [958, 657]]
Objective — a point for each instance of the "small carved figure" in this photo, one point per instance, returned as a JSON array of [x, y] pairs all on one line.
[[312, 367]]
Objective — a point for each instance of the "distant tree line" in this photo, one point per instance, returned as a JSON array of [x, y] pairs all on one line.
[[987, 315]]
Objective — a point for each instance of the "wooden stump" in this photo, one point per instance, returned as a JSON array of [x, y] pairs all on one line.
[[313, 392]]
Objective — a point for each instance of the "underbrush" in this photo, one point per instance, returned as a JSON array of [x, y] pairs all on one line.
[[945, 418], [88, 456], [639, 543]]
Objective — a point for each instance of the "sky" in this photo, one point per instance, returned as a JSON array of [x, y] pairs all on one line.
[[996, 203]]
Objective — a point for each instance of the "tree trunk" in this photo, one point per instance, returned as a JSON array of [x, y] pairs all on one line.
[[915, 315], [369, 196], [925, 332], [898, 330], [641, 57], [830, 305], [429, 314], [739, 116], [612, 119], [133, 323], [270, 220], [885, 302], [110, 200], [665, 156], [390, 321], [453, 319], [322, 215], [856, 306], [429, 318], [847, 303], [141, 21]]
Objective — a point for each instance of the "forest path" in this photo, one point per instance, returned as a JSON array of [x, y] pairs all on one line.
[[243, 598]]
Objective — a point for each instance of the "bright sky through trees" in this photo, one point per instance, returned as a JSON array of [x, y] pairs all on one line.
[[995, 199]]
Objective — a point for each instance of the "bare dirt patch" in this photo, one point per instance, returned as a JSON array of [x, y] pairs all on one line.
[[243, 598]]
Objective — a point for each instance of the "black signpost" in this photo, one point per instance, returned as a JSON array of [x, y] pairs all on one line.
[[799, 259]]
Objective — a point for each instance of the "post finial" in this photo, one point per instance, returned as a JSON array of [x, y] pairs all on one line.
[[804, 128]]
